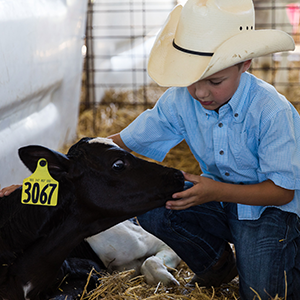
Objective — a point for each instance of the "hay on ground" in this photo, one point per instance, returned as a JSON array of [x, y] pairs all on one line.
[[121, 286]]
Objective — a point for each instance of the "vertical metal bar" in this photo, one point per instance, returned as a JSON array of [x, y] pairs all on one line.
[[86, 69], [90, 64], [145, 59], [90, 55], [132, 40], [273, 26]]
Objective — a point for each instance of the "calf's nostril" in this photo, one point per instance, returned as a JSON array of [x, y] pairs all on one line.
[[179, 175]]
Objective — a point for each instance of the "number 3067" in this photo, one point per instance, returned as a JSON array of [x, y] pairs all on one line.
[[38, 195]]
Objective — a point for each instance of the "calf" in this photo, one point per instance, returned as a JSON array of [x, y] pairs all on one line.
[[128, 246], [101, 185]]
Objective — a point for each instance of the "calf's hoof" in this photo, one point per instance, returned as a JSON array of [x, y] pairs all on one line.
[[155, 271]]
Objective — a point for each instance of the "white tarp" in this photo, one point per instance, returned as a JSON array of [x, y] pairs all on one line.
[[40, 82]]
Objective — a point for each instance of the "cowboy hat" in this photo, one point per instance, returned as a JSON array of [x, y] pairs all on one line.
[[207, 36]]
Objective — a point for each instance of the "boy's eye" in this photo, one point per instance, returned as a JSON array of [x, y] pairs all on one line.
[[215, 82]]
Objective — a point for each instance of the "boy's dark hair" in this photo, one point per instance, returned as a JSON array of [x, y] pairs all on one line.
[[239, 65]]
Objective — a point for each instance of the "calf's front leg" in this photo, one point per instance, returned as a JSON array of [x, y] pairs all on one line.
[[155, 268]]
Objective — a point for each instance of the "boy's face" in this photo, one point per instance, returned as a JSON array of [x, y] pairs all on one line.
[[215, 90]]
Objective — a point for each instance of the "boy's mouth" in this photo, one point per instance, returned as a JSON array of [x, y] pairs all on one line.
[[206, 103]]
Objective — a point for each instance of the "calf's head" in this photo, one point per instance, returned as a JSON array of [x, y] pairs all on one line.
[[108, 181]]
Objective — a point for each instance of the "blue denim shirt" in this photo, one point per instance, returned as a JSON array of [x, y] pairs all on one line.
[[254, 137]]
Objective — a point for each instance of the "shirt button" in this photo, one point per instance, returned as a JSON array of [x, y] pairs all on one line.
[[221, 152], [227, 174], [220, 125], [236, 115]]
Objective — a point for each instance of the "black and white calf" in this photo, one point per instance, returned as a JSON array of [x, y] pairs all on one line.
[[101, 185], [127, 246]]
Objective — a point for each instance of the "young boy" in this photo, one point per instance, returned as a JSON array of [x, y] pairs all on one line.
[[246, 138]]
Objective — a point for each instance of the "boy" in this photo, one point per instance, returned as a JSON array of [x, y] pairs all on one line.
[[244, 135]]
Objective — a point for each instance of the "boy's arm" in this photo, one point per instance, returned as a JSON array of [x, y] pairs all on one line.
[[207, 190], [117, 139]]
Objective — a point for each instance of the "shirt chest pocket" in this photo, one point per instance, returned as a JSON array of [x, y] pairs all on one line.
[[243, 149]]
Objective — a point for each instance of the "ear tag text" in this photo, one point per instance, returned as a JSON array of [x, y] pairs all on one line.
[[40, 188]]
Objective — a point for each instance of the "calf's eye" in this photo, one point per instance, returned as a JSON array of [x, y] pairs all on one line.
[[118, 165]]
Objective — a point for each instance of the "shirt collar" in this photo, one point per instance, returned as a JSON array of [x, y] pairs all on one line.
[[240, 97]]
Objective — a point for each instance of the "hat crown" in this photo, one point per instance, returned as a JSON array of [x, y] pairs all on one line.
[[207, 36], [205, 24]]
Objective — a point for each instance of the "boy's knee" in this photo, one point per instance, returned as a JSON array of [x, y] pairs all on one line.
[[153, 221]]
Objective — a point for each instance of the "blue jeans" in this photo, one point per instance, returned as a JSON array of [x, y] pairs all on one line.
[[266, 249]]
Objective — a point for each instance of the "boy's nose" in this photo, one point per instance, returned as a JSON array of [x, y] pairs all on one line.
[[201, 90]]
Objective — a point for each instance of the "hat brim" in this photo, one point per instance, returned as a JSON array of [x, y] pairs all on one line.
[[168, 66]]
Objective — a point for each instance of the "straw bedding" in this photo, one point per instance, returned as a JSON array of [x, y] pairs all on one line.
[[120, 285]]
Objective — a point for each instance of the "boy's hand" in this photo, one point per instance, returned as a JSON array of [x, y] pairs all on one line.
[[206, 190], [9, 189], [203, 191]]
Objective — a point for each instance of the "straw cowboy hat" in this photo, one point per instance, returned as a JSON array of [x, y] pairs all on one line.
[[207, 36]]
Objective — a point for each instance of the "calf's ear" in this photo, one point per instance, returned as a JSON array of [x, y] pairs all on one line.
[[58, 163]]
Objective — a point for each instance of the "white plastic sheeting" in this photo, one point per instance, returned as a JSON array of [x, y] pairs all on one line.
[[40, 67]]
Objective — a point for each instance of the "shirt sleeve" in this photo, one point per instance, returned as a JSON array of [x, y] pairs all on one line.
[[278, 151], [155, 131]]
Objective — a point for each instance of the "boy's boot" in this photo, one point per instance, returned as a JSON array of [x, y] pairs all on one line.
[[223, 271]]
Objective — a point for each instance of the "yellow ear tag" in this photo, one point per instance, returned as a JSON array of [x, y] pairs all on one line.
[[40, 188]]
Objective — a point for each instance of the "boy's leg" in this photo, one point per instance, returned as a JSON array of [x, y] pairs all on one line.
[[199, 235], [267, 249]]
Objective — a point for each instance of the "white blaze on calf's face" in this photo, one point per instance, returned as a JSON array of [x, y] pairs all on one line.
[[101, 140]]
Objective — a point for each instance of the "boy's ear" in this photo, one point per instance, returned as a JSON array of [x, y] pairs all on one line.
[[58, 163], [246, 65]]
